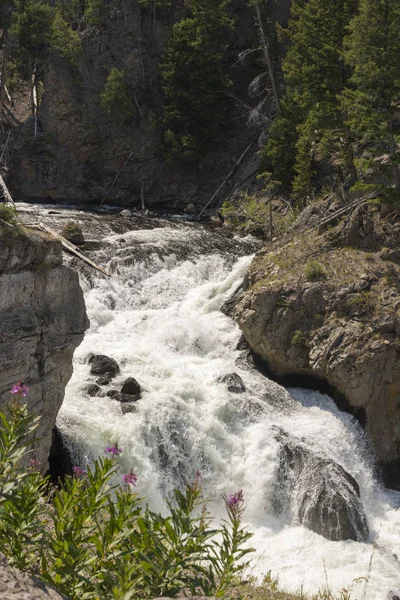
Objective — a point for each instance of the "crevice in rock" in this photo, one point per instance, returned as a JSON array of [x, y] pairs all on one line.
[[311, 383], [388, 473]]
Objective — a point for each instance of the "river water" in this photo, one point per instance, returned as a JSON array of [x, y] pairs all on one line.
[[159, 316]]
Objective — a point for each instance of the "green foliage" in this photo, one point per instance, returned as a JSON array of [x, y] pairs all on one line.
[[116, 97], [6, 10], [314, 270], [95, 11], [8, 212], [247, 214], [92, 539], [299, 338], [33, 27], [64, 39], [315, 76], [194, 79], [371, 102]]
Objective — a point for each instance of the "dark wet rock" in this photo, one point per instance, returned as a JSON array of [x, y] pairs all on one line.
[[73, 233], [60, 459], [92, 389], [116, 395], [103, 380], [229, 305], [131, 386], [234, 383], [190, 209], [319, 494], [392, 478], [128, 407], [101, 364]]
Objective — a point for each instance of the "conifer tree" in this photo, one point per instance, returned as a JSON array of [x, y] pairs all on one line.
[[372, 102], [315, 75], [194, 77]]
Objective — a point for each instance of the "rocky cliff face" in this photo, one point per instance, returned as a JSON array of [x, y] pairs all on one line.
[[42, 321], [326, 306], [81, 149]]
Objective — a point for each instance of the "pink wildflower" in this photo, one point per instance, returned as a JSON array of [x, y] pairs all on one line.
[[79, 472], [235, 500], [129, 478], [114, 450], [20, 389]]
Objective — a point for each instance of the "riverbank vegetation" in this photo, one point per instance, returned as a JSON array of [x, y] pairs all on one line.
[[92, 537]]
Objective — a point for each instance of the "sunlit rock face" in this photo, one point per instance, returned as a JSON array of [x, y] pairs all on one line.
[[42, 321]]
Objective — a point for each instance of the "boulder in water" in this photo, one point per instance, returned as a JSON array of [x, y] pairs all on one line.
[[73, 233], [92, 389], [234, 383], [103, 380], [116, 395], [100, 364], [319, 494], [131, 386]]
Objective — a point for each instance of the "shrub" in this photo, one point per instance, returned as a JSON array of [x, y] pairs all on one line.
[[116, 98], [73, 233], [314, 270], [8, 213], [298, 339], [92, 538]]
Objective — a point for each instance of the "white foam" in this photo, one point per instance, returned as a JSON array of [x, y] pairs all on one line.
[[159, 318]]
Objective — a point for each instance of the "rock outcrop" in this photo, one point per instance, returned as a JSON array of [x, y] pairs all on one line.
[[318, 493], [315, 308], [42, 321], [15, 585]]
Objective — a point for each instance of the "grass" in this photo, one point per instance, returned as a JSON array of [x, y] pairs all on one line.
[[269, 589], [314, 271]]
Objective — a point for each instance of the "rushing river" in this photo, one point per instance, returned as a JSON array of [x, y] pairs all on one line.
[[159, 316]]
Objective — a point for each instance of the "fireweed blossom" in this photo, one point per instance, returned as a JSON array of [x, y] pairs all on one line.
[[79, 472], [130, 478], [113, 450], [20, 389], [235, 500]]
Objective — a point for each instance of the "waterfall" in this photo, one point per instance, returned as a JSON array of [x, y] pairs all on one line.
[[159, 317]]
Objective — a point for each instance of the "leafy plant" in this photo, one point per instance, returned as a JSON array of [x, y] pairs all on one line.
[[92, 538]]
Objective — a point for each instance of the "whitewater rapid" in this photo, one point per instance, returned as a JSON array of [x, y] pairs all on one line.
[[159, 316]]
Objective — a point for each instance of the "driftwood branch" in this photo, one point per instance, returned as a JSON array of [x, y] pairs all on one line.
[[116, 178], [6, 193], [73, 249], [241, 157]]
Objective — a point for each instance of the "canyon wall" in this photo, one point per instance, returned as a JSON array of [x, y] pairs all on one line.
[[42, 320]]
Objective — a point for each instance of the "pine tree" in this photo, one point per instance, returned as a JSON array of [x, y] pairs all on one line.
[[194, 78], [373, 99], [315, 74]]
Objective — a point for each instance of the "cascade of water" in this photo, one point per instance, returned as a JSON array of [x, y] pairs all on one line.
[[159, 317]]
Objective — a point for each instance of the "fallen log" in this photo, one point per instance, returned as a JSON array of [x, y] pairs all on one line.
[[5, 191], [72, 248]]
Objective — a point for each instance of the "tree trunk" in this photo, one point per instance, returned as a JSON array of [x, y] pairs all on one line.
[[34, 100], [4, 72], [392, 152], [267, 58]]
